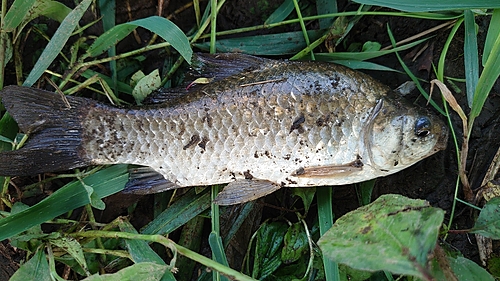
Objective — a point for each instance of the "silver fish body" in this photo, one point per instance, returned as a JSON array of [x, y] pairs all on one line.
[[286, 123]]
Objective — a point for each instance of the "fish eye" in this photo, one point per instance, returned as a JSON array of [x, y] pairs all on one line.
[[422, 127]]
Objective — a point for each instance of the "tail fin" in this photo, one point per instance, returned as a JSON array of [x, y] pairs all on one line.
[[54, 126]]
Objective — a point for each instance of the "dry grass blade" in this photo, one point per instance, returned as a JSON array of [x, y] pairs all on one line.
[[465, 144]]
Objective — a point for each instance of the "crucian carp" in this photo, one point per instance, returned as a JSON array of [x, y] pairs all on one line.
[[259, 125]]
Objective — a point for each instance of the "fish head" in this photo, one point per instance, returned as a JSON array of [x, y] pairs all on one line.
[[401, 134]]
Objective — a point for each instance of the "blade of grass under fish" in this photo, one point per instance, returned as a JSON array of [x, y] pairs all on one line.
[[325, 217], [166, 29], [364, 191], [180, 212], [413, 77], [71, 196], [431, 5], [218, 254], [57, 42], [281, 13], [141, 251], [326, 7], [493, 31], [190, 238], [365, 55], [269, 44], [471, 55]]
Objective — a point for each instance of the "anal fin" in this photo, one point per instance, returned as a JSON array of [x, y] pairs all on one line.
[[244, 190], [331, 170]]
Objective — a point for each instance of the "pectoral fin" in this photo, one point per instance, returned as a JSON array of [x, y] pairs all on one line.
[[330, 170], [242, 191]]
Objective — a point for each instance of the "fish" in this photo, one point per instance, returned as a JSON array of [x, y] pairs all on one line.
[[258, 125]]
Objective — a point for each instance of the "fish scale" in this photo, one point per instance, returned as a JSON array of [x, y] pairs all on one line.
[[286, 123]]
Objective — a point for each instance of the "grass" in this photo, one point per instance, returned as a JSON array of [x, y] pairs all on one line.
[[83, 246]]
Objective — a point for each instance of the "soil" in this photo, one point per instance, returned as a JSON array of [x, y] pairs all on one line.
[[432, 179]]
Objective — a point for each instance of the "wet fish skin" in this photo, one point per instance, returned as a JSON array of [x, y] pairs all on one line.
[[287, 123]]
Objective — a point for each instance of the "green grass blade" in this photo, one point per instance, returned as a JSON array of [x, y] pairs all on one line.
[[161, 26], [413, 77], [471, 56], [364, 55], [493, 31], [57, 42], [355, 64], [141, 251], [73, 195], [281, 13], [486, 81], [179, 213], [13, 18], [432, 5], [325, 216], [107, 9]]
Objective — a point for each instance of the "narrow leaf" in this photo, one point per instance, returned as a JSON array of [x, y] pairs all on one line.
[[183, 210], [161, 26], [65, 199], [471, 56], [146, 271], [13, 18], [57, 42], [431, 5]]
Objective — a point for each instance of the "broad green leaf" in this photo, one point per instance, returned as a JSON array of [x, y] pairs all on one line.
[[183, 210], [488, 222], [36, 268], [161, 26], [73, 195], [16, 14], [57, 42], [268, 249], [146, 85], [465, 269], [394, 233], [72, 247], [432, 5], [269, 44], [295, 243], [145, 271]]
